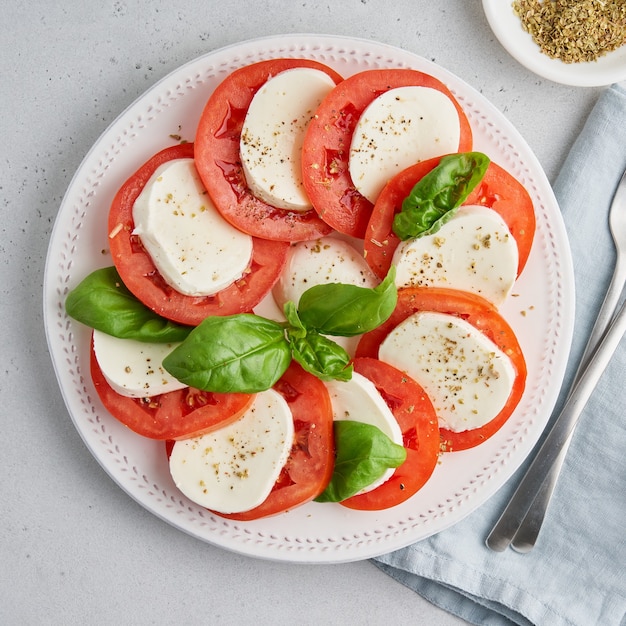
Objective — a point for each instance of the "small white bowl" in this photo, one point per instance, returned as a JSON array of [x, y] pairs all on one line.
[[507, 27]]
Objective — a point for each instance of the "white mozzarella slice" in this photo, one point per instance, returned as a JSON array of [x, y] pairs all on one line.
[[134, 368], [467, 377], [359, 400], [321, 261], [397, 129], [234, 468], [273, 133], [474, 251], [195, 249]]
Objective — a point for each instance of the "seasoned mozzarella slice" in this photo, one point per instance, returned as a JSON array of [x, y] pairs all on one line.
[[234, 468], [325, 260], [134, 368], [197, 252], [467, 377], [273, 132], [474, 251], [401, 127], [358, 399]]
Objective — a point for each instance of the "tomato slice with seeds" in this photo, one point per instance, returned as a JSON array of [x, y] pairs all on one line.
[[219, 164], [326, 149], [498, 190], [310, 465], [483, 316], [139, 274], [420, 433], [173, 415]]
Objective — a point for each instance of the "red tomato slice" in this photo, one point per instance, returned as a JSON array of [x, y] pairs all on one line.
[[174, 415], [219, 164], [139, 274], [420, 432], [310, 465], [326, 146], [483, 316], [498, 190]]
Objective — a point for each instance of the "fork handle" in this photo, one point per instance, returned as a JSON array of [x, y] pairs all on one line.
[[503, 532], [526, 535], [608, 308], [528, 531]]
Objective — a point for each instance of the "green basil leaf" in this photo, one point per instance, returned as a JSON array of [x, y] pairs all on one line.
[[348, 310], [363, 454], [435, 198], [319, 355], [241, 353], [103, 302]]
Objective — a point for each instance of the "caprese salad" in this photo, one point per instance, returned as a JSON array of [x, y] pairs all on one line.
[[303, 302]]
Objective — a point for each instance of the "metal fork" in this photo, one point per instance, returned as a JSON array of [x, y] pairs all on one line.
[[521, 521]]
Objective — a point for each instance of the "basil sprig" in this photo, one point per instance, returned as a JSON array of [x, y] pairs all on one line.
[[242, 353], [435, 197], [248, 353], [103, 302], [363, 454]]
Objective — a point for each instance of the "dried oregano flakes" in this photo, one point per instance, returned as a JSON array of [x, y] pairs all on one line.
[[574, 31]]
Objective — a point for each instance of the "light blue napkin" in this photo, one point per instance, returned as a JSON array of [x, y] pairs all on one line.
[[576, 574]]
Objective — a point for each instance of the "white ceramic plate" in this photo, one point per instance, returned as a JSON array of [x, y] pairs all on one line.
[[541, 313], [507, 27]]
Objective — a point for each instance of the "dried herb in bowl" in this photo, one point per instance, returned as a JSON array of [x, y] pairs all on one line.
[[574, 31]]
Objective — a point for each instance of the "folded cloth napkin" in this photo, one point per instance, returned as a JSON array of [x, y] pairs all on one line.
[[576, 574]]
